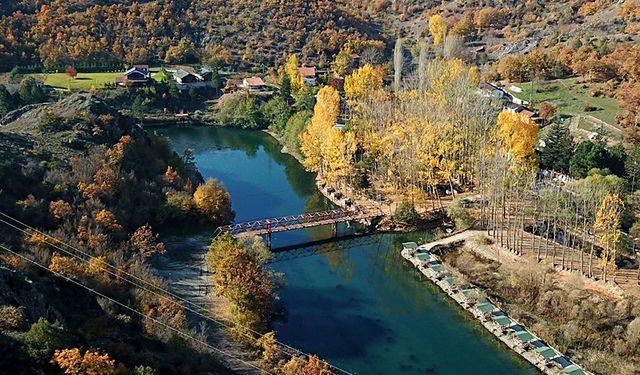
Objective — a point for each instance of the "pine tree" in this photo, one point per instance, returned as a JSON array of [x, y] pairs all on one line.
[[558, 148]]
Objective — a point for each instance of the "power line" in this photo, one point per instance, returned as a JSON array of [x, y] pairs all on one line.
[[180, 332], [118, 274]]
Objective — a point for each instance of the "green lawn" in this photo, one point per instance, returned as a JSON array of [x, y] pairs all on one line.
[[571, 98], [84, 81]]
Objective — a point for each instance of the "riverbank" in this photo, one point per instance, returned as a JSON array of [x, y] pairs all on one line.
[[473, 300]]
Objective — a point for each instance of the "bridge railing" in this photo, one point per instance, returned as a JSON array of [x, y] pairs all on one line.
[[273, 224]]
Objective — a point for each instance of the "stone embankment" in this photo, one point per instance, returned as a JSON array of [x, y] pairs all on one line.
[[473, 300]]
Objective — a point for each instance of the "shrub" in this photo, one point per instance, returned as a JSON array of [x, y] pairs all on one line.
[[43, 338], [406, 213], [50, 122], [459, 215], [483, 239], [11, 318]]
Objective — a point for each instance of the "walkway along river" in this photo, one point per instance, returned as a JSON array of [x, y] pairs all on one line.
[[362, 308]]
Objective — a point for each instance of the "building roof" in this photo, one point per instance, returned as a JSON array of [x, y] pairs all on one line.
[[254, 81], [573, 370], [485, 307], [182, 74], [410, 245], [502, 320], [546, 352], [135, 69], [307, 71], [141, 66], [524, 336]]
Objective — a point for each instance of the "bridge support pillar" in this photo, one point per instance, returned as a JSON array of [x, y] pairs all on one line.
[[334, 229], [268, 238]]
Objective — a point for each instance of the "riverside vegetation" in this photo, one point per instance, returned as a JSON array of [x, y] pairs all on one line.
[[91, 178]]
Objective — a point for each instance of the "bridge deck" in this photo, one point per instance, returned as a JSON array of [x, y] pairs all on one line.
[[302, 221]]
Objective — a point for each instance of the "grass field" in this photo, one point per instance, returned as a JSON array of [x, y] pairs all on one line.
[[84, 81], [571, 97]]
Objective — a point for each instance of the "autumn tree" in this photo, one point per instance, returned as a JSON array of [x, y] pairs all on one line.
[[547, 112], [437, 28], [517, 134], [146, 242], [341, 62], [71, 72], [239, 275], [607, 226], [214, 202], [72, 362], [362, 82], [291, 70]]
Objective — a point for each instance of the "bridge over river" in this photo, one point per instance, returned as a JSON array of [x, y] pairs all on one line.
[[265, 227]]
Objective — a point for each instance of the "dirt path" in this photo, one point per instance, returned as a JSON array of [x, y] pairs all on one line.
[[182, 266]]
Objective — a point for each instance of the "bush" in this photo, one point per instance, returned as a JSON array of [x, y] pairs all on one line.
[[240, 111], [483, 239], [50, 122], [459, 215], [406, 213], [43, 338], [11, 318], [295, 127]]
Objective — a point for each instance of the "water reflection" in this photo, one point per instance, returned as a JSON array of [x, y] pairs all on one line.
[[359, 306]]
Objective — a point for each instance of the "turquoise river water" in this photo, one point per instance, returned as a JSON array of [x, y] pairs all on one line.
[[362, 308]]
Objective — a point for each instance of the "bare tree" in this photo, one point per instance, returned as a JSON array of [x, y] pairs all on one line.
[[398, 62], [454, 47]]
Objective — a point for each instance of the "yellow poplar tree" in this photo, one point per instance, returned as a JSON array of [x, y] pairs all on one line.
[[518, 135], [437, 28], [607, 226], [313, 140], [363, 82], [291, 69]]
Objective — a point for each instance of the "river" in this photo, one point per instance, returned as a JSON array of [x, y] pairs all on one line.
[[361, 307]]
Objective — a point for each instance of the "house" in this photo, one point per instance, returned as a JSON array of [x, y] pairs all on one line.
[[138, 75], [308, 73], [184, 77], [253, 84], [491, 90], [205, 74], [520, 109]]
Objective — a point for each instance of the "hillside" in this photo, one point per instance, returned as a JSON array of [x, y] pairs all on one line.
[[90, 178], [237, 32]]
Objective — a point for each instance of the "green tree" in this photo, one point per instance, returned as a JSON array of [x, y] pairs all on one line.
[[295, 127], [138, 108], [43, 338], [285, 87], [588, 155], [306, 98], [558, 148], [7, 104], [632, 167], [216, 80], [276, 112], [30, 92]]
